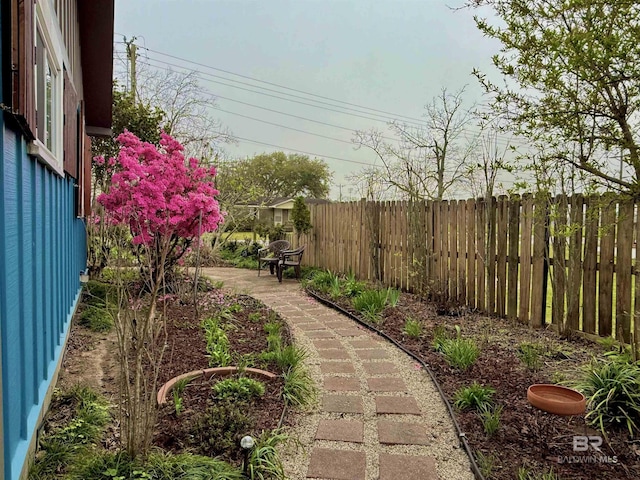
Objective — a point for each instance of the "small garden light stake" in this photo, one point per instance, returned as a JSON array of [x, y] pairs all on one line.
[[247, 442]]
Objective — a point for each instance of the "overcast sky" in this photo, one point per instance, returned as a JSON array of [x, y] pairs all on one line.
[[389, 55]]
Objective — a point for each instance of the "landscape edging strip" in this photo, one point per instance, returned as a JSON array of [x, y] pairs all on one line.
[[461, 435]]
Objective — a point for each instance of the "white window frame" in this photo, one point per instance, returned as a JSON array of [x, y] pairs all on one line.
[[277, 212], [45, 22]]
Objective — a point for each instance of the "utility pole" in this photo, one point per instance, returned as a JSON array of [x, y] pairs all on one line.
[[340, 195], [131, 56]]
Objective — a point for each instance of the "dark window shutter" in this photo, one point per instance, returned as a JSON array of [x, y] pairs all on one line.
[[86, 176], [70, 130], [23, 56]]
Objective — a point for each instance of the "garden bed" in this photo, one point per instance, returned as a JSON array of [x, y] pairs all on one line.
[[199, 428], [528, 442]]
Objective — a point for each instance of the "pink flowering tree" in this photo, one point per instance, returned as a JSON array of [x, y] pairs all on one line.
[[166, 202]]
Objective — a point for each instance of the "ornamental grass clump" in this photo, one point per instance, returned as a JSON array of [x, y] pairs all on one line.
[[612, 390], [460, 352], [412, 328], [474, 396], [242, 389], [371, 303]]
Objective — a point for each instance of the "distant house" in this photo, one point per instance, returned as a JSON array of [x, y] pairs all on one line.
[[55, 91], [277, 211]]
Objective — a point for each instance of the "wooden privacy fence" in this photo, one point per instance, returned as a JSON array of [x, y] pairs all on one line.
[[566, 261]]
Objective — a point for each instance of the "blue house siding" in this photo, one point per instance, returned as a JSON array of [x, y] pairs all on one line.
[[42, 251]]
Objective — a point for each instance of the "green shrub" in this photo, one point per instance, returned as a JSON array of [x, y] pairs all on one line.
[[299, 389], [525, 474], [440, 337], [96, 319], [460, 352], [473, 396], [238, 389], [530, 354], [264, 462], [220, 428], [322, 281], [273, 328], [486, 463], [412, 328], [335, 289], [371, 303], [60, 446], [393, 296], [352, 287], [99, 294], [285, 357], [612, 389], [217, 343], [186, 466], [103, 465], [490, 416], [255, 317]]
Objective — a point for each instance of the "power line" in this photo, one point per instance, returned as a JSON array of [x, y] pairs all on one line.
[[302, 151], [415, 121], [503, 142], [278, 85], [381, 120], [284, 126], [386, 118], [270, 109]]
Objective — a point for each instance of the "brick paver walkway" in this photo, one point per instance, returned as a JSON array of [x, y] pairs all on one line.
[[379, 416]]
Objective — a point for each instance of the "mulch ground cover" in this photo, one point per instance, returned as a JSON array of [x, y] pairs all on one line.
[[527, 437], [186, 351]]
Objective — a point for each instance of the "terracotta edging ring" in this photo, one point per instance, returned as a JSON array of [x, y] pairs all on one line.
[[207, 373]]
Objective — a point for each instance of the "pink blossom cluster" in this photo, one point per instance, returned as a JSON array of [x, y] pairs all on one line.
[[158, 194]]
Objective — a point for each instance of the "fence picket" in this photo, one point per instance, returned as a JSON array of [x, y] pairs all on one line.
[[462, 252], [525, 258], [559, 276], [471, 253], [513, 251], [574, 276], [501, 252], [481, 222], [624, 245], [605, 287]]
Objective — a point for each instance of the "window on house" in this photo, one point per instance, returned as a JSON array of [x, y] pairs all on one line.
[[48, 90]]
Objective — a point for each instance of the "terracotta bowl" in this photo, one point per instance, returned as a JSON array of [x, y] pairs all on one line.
[[556, 399]]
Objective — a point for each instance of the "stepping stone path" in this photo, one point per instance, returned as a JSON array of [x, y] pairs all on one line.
[[379, 416]]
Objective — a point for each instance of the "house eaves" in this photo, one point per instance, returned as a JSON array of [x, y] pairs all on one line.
[[96, 19]]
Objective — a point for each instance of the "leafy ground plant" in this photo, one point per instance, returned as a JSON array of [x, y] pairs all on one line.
[[97, 319], [242, 389], [460, 352], [531, 355], [217, 343], [61, 446], [393, 296], [264, 462], [490, 417], [486, 463], [412, 328], [371, 303], [177, 391], [217, 429], [474, 396], [525, 474], [612, 389], [299, 389]]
